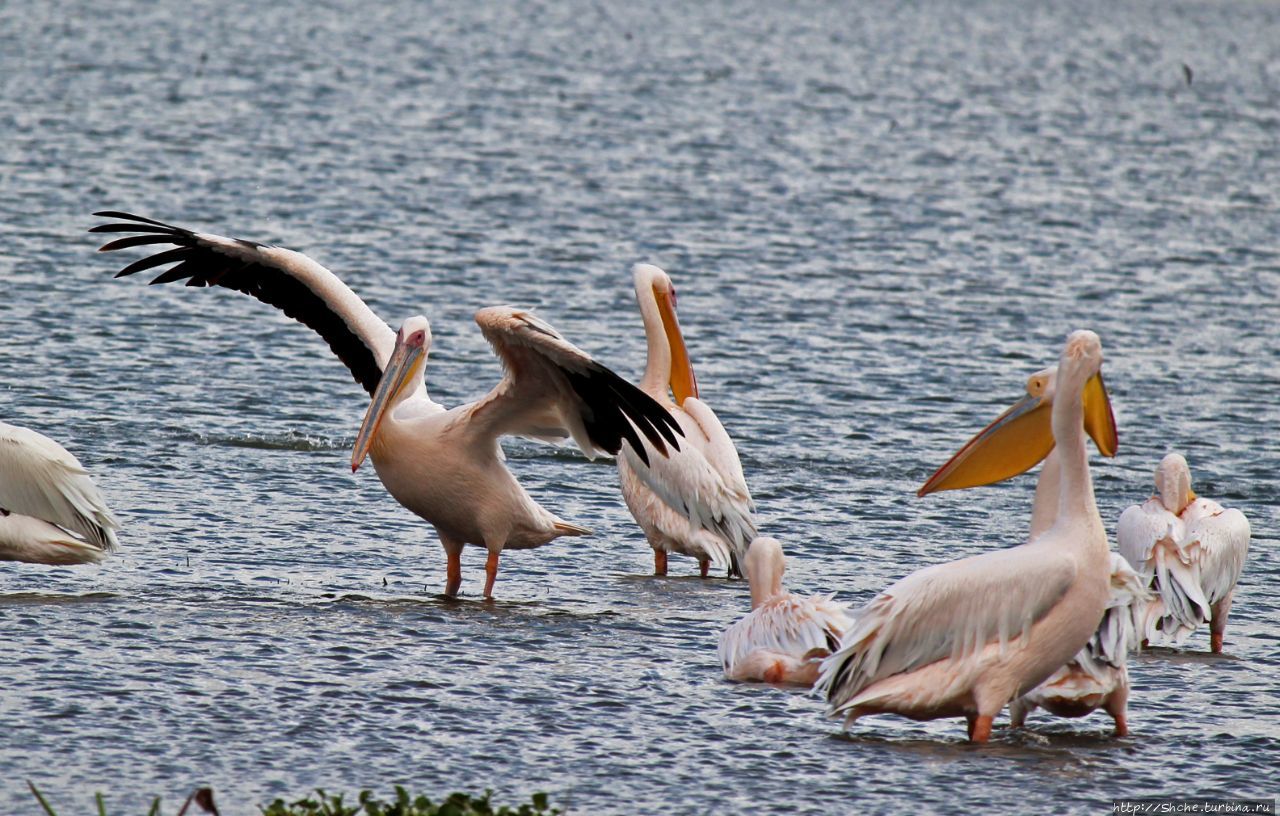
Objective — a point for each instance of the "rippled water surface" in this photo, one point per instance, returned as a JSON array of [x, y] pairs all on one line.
[[880, 218]]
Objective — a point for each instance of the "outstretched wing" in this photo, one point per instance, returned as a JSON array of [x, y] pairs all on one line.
[[288, 280], [552, 390], [949, 610], [40, 478]]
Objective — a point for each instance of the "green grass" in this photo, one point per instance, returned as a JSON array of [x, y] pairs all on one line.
[[366, 804], [456, 804]]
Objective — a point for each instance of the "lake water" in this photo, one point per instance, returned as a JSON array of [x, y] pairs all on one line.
[[880, 217]]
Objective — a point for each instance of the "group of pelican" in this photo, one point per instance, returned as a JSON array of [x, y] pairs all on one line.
[[1044, 624]]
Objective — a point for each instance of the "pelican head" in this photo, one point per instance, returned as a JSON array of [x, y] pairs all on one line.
[[1022, 436], [401, 377], [1173, 483], [765, 565], [657, 297]]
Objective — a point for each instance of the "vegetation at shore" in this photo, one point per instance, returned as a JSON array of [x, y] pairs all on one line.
[[366, 803]]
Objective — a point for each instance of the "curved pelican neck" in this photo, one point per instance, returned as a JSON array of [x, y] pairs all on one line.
[[765, 583], [657, 369], [1075, 489], [765, 565], [1044, 510]]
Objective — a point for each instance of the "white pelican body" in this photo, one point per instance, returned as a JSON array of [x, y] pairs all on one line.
[[694, 502], [51, 512], [444, 465], [1098, 676], [967, 637], [784, 637], [1190, 550]]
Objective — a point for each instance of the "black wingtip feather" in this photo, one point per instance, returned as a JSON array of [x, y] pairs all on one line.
[[124, 216], [133, 241], [162, 230], [617, 409], [159, 259]]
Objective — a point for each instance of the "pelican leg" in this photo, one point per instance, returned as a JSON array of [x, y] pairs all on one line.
[[980, 728], [1117, 705], [491, 573], [1018, 711], [704, 567], [1122, 724], [1218, 622], [659, 562], [453, 567]]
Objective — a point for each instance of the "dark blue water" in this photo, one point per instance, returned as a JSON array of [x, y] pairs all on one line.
[[880, 219]]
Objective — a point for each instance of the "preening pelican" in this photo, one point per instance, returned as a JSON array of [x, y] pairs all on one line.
[[695, 501], [784, 637], [1190, 550], [444, 465], [967, 637], [1098, 676], [51, 512]]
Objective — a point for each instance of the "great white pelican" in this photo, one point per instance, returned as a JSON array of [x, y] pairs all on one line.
[[695, 501], [1098, 675], [1191, 550], [784, 638], [965, 638]]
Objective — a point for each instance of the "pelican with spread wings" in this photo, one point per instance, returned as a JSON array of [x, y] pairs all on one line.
[[445, 465]]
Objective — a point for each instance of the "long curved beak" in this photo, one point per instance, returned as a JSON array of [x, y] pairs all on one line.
[[402, 368], [684, 383], [1020, 438], [1099, 420], [1012, 444]]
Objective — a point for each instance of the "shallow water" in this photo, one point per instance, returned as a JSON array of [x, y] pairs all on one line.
[[879, 220]]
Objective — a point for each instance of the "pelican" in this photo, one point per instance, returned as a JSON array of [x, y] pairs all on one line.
[[1191, 550], [1098, 676], [445, 465], [966, 637], [784, 637], [51, 512], [695, 501]]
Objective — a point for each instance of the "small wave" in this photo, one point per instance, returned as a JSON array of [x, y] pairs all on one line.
[[287, 441], [42, 598]]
